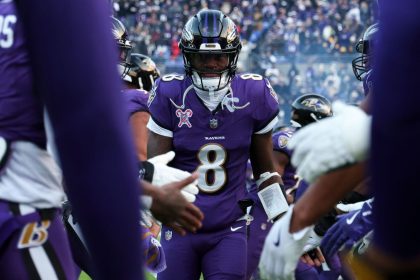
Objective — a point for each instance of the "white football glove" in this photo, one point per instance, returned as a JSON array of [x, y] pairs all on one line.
[[314, 240], [164, 174], [332, 142], [352, 206], [282, 249]]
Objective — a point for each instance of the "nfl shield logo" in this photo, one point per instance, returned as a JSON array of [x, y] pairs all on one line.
[[168, 235], [213, 123]]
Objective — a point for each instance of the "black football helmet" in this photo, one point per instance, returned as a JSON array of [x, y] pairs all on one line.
[[142, 72], [310, 108], [210, 33], [365, 47], [124, 45]]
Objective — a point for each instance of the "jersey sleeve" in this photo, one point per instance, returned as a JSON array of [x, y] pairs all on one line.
[[280, 140], [159, 108], [136, 101], [266, 111]]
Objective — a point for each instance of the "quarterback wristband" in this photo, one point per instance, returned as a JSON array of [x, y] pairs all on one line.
[[273, 201], [146, 170]]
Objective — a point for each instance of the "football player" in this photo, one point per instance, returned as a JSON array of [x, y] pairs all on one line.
[[82, 100], [327, 145], [136, 102], [215, 120], [139, 80], [306, 109]]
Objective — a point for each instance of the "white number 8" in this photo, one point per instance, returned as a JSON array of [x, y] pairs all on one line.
[[214, 164], [254, 77], [170, 77]]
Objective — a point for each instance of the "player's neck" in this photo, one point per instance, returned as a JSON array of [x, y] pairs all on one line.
[[211, 99]]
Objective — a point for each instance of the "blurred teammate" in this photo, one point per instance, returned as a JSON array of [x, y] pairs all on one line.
[[391, 255], [215, 121], [33, 243], [138, 81], [306, 109]]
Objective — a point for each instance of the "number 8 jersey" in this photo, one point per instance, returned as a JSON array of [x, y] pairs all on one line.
[[214, 143]]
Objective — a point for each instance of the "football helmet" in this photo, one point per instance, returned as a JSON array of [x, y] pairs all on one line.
[[210, 46], [365, 47], [310, 108], [142, 72], [120, 34]]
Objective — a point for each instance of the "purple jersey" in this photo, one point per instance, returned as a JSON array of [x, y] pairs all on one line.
[[217, 143], [280, 140], [78, 83], [136, 100], [20, 109]]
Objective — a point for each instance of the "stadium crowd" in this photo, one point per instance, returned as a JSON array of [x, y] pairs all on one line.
[[303, 46]]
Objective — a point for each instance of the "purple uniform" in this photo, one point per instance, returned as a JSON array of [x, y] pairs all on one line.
[[30, 182], [217, 145], [259, 227], [20, 113], [136, 100], [395, 105], [280, 140]]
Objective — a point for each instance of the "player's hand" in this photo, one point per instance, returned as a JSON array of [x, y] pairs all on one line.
[[314, 240], [163, 174], [171, 208], [313, 257], [332, 142], [282, 249], [348, 229]]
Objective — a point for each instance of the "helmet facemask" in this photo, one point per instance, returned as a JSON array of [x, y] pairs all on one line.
[[362, 64], [142, 73], [124, 50], [209, 70]]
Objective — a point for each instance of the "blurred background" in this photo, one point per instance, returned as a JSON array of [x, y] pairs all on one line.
[[302, 46]]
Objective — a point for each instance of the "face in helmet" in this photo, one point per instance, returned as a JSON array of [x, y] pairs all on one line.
[[365, 47], [124, 46], [310, 108], [210, 46], [142, 73]]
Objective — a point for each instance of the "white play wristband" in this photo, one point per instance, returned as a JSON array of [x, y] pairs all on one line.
[[273, 201]]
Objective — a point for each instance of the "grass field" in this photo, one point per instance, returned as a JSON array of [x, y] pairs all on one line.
[[84, 276]]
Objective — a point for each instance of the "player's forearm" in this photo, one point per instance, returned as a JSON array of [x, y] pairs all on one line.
[[158, 145], [324, 194], [138, 122]]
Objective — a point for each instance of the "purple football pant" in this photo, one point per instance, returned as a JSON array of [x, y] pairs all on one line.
[[33, 244], [219, 255], [257, 231]]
